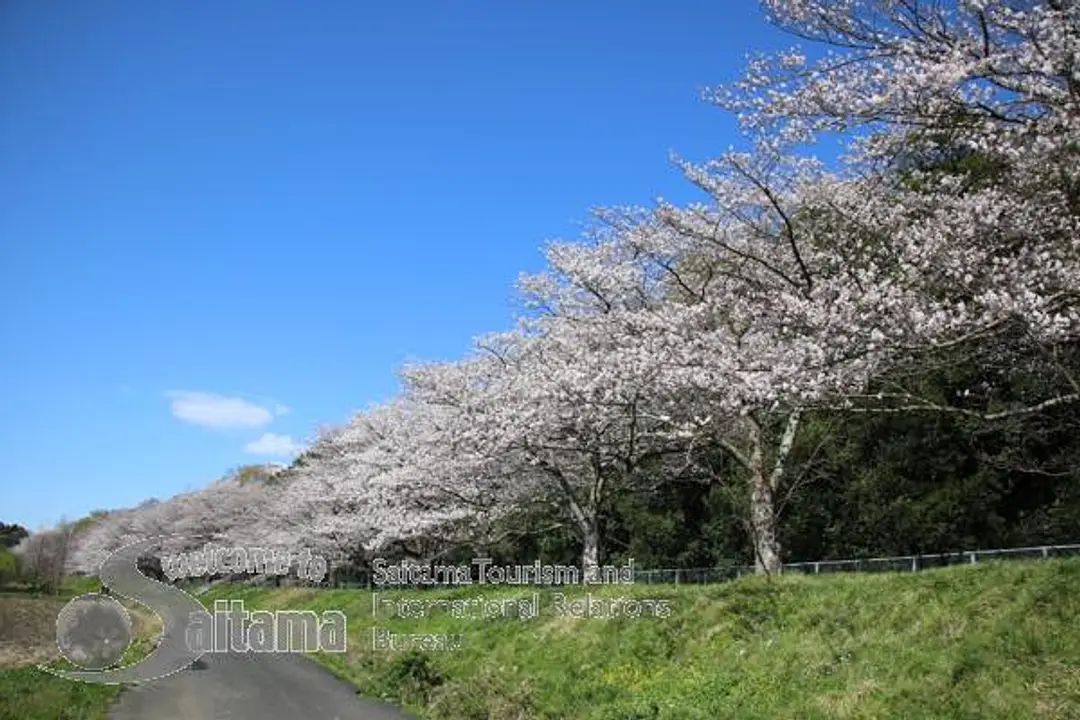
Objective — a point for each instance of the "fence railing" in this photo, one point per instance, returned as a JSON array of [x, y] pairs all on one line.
[[731, 571], [897, 563]]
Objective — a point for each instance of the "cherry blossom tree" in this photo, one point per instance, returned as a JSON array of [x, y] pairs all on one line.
[[43, 556], [187, 521], [557, 411], [973, 107], [795, 287], [798, 286], [106, 534], [705, 368], [360, 487]]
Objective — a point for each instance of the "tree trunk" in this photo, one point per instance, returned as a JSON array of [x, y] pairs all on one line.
[[763, 520], [763, 525], [590, 554], [586, 519]]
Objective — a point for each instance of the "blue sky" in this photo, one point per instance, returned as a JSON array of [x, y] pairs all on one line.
[[226, 224]]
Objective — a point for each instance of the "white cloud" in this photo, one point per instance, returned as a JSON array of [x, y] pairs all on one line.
[[280, 409], [271, 444], [217, 412]]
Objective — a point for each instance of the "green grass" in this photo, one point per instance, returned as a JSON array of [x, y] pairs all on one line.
[[999, 640], [28, 693]]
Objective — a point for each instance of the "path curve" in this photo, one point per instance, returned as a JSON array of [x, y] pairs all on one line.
[[250, 686]]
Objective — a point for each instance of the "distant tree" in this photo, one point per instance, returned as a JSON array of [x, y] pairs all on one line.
[[12, 535], [43, 556], [265, 473]]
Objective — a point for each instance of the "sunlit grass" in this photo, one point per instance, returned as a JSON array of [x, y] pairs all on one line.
[[998, 640]]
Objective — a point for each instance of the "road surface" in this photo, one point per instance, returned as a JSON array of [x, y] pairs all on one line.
[[249, 686]]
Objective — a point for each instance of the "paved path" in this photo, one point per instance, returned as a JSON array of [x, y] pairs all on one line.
[[249, 686]]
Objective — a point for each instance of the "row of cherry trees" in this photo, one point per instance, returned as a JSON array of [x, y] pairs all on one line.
[[671, 331], [222, 512], [951, 222]]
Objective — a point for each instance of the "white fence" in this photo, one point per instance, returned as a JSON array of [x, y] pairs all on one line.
[[899, 563]]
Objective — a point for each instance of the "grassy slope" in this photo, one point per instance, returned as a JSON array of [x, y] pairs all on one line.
[[28, 636], [991, 641]]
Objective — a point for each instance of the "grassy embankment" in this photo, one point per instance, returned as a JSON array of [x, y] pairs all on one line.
[[28, 637], [991, 641]]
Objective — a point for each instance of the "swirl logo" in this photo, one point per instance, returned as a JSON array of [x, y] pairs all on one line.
[[94, 630]]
